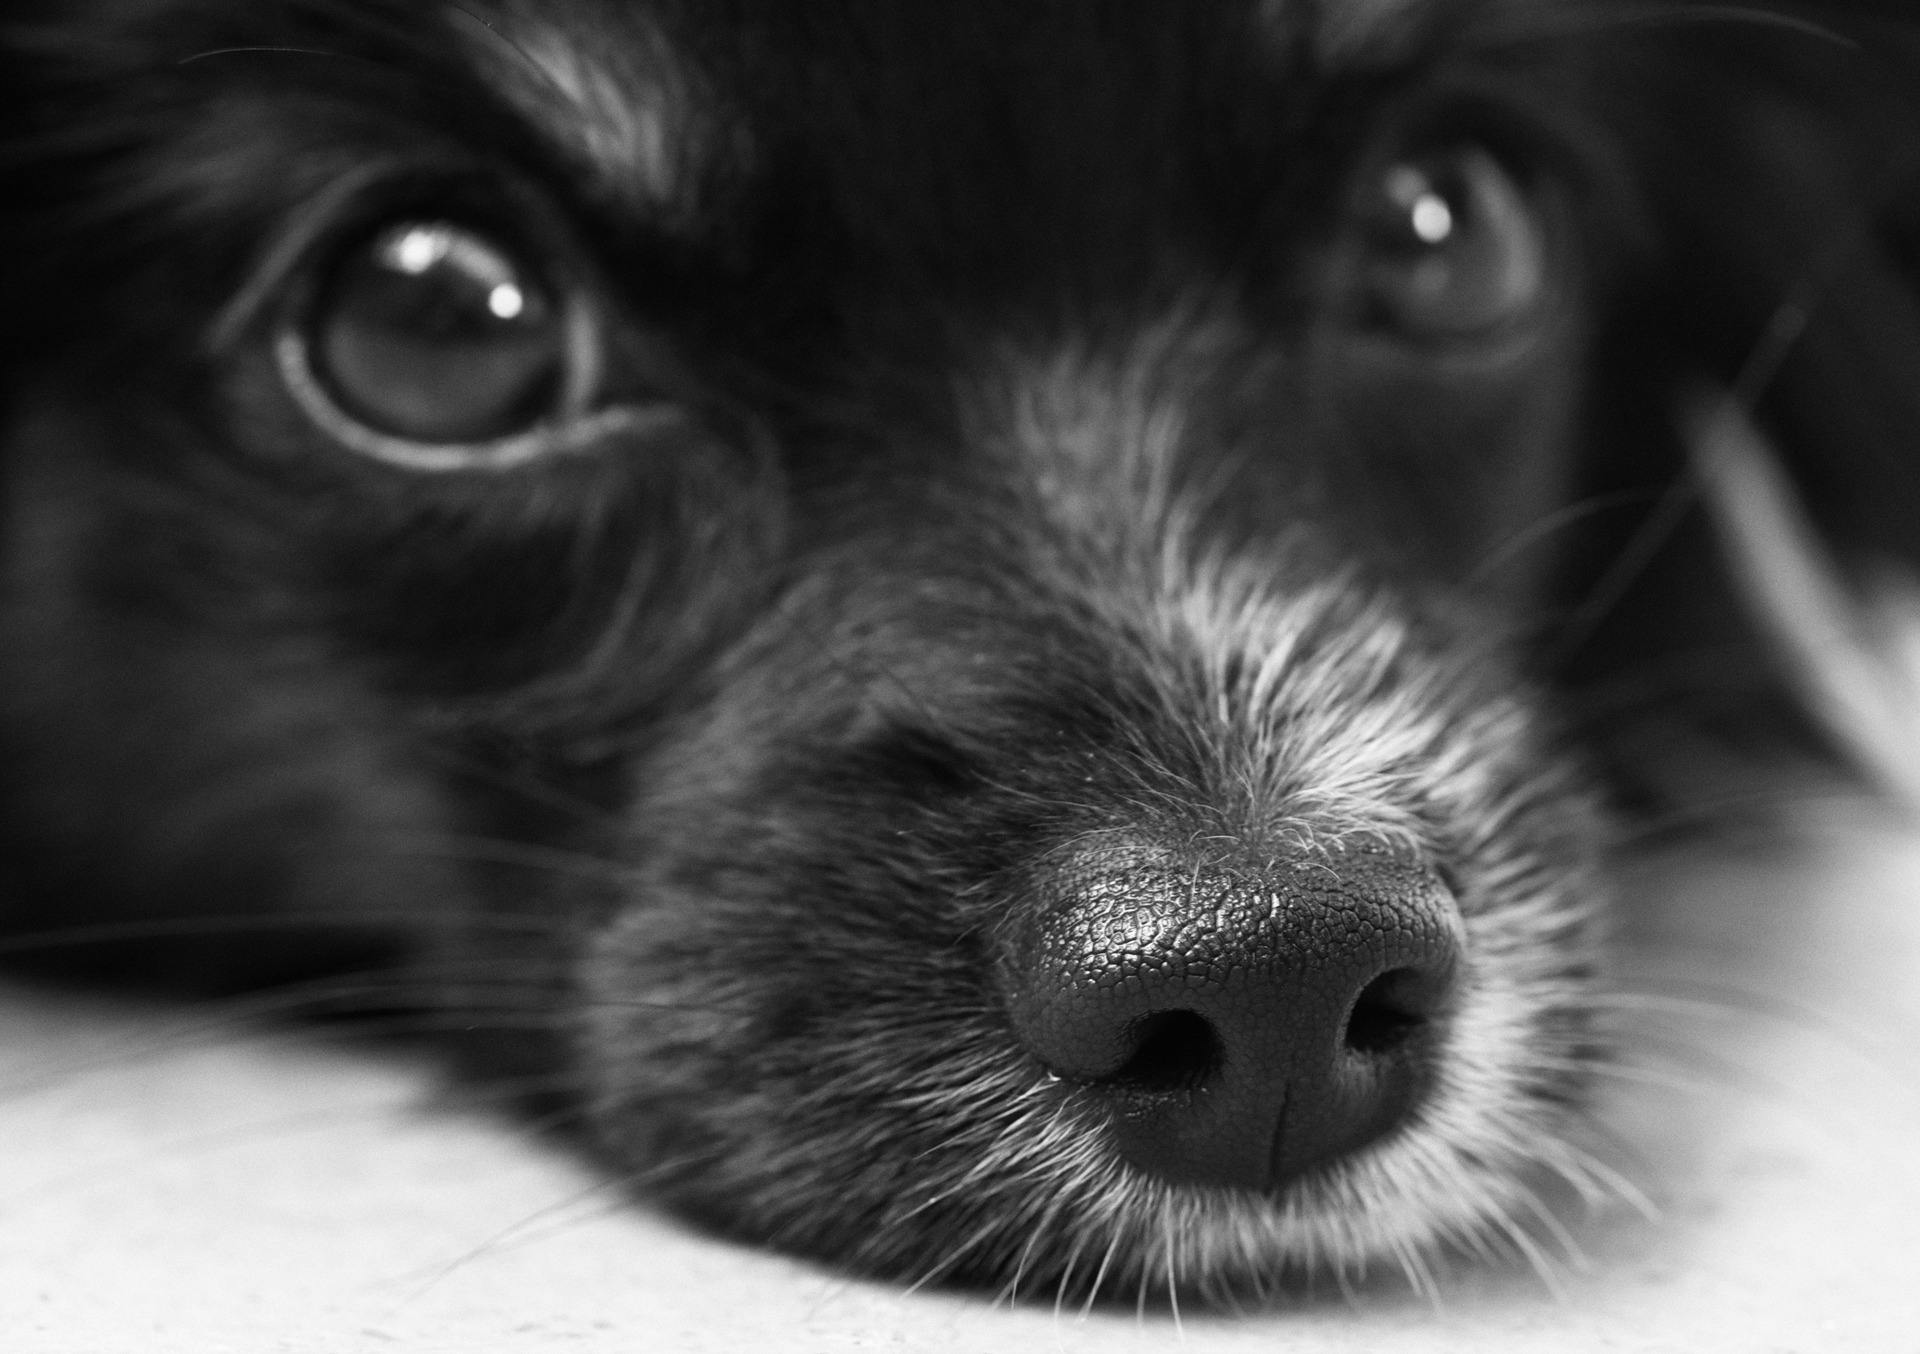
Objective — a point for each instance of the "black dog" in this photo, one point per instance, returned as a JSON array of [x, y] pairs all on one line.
[[996, 633]]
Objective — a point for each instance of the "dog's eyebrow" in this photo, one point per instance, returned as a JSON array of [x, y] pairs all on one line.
[[1345, 30], [627, 110]]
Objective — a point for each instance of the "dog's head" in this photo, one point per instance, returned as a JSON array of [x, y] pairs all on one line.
[[952, 597]]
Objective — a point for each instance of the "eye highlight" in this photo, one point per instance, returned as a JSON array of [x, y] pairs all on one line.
[[1454, 249]]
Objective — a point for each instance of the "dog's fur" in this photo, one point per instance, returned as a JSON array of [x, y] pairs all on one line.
[[1008, 456]]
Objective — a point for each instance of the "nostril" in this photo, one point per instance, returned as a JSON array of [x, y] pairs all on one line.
[[1390, 1011], [1173, 1051]]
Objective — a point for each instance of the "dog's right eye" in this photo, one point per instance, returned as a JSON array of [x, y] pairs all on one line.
[[435, 333], [1456, 252], [433, 345]]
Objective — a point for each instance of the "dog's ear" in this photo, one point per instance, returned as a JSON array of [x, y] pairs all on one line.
[[1782, 157], [1785, 194], [1760, 245]]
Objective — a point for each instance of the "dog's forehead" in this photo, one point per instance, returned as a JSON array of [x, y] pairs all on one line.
[[888, 98]]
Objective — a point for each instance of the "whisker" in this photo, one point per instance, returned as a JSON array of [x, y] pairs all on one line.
[[220, 925], [599, 1199], [524, 787], [1656, 529], [1170, 1240], [1419, 1277], [549, 860], [1542, 530], [1527, 25], [1598, 1183], [260, 49], [1100, 1275], [1536, 1258]]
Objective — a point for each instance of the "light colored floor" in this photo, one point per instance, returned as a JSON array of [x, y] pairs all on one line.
[[168, 1189]]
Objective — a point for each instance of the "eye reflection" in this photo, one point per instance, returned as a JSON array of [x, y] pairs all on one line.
[[437, 333], [1457, 249]]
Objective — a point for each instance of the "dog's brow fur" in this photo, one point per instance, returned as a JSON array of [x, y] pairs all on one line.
[[630, 113], [1343, 30], [1348, 26]]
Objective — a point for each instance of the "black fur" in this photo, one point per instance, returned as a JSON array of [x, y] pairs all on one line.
[[1026, 479]]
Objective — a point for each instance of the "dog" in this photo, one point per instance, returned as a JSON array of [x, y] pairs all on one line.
[[1006, 641]]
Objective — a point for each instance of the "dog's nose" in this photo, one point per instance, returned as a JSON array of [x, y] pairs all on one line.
[[1238, 1024]]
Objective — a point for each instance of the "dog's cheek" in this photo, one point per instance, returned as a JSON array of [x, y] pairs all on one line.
[[765, 1015], [175, 754], [788, 1021]]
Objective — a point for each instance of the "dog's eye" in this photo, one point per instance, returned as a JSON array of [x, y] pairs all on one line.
[[433, 332], [432, 345], [1457, 251]]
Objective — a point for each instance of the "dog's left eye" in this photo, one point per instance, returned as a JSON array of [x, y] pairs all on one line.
[[433, 345], [433, 332], [1456, 251]]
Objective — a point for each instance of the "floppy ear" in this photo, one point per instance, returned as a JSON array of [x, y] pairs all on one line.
[[1791, 208], [1764, 247], [1786, 180]]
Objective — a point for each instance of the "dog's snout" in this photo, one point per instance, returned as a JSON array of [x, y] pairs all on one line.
[[1238, 1023]]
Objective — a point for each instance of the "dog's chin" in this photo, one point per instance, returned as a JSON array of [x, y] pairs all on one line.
[[827, 1011]]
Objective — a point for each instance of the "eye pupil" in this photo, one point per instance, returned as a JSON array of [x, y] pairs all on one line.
[[433, 332], [1457, 248]]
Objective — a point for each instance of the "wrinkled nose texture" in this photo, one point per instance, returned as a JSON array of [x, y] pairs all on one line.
[[1239, 1024]]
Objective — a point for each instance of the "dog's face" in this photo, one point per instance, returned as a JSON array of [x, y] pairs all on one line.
[[937, 597]]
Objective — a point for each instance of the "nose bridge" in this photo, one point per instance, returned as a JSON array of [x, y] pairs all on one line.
[[1109, 428]]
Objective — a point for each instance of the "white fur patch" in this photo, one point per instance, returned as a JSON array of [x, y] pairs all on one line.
[[630, 111], [1098, 433]]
